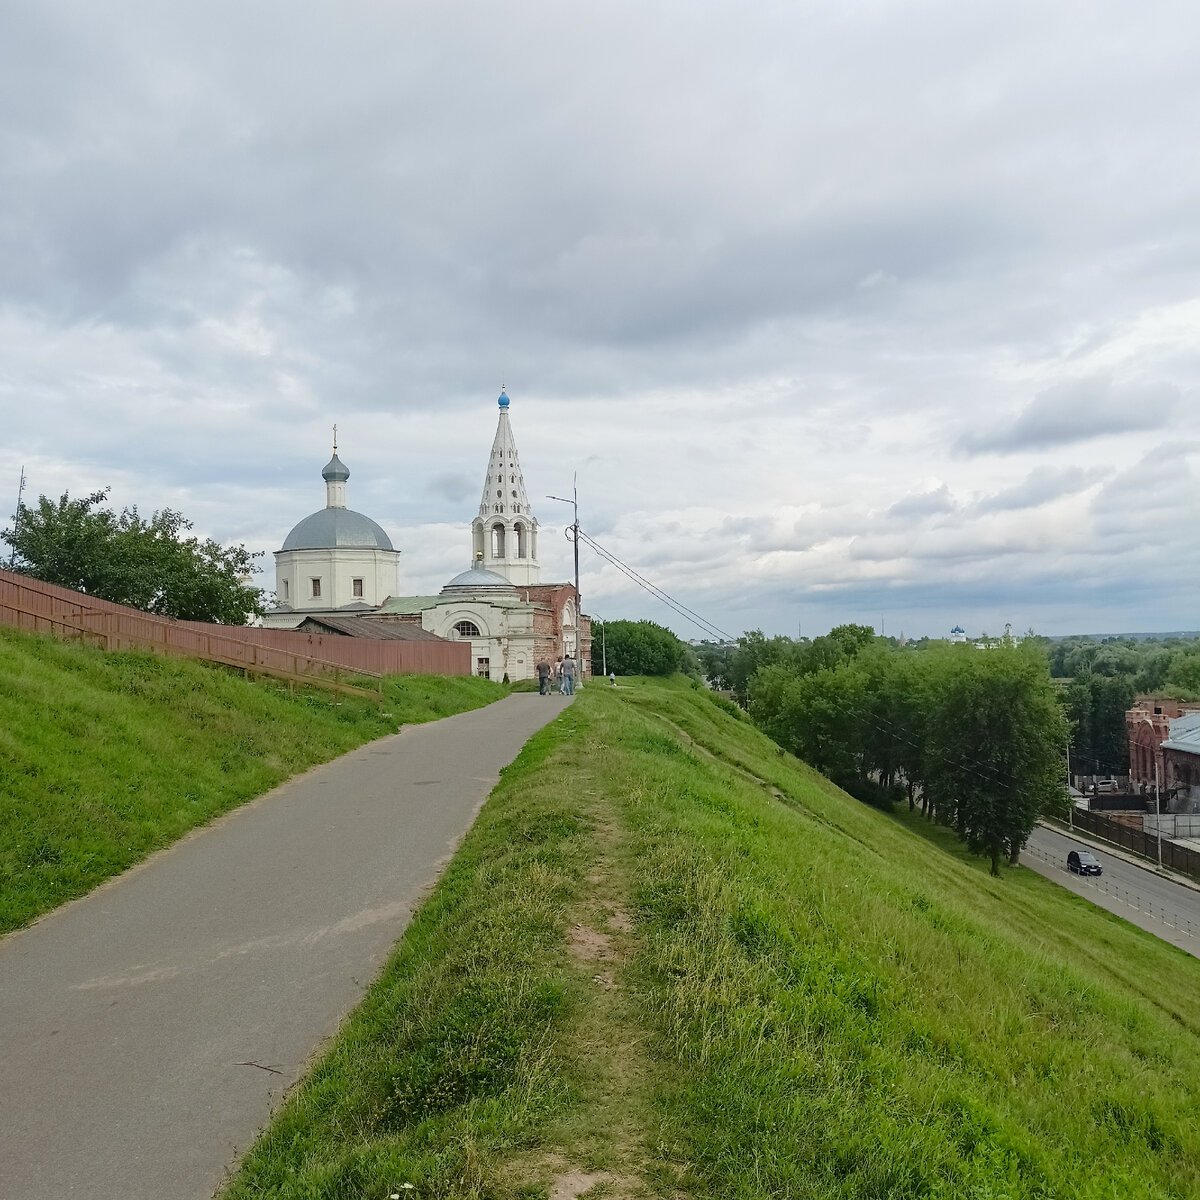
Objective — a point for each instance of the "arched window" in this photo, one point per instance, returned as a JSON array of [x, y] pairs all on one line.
[[497, 541], [467, 629], [519, 534]]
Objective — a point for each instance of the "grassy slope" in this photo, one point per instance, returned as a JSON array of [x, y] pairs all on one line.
[[812, 1001], [104, 758]]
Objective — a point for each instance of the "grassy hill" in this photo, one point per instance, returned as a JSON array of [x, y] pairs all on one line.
[[671, 961], [105, 758]]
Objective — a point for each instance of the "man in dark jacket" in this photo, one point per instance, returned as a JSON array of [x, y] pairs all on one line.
[[543, 670]]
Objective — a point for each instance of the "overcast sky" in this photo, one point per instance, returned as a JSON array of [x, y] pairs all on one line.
[[857, 311]]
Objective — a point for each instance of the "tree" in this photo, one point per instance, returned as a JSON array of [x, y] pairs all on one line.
[[641, 648], [127, 559], [994, 749], [818, 716], [716, 659], [755, 651]]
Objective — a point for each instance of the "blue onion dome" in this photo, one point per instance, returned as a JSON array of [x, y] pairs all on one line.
[[503, 401], [335, 470]]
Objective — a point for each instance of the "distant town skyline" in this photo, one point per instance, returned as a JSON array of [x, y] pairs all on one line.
[[870, 313]]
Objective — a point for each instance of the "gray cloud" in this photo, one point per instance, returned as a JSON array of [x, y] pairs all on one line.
[[1077, 411], [1040, 486], [750, 278], [924, 504]]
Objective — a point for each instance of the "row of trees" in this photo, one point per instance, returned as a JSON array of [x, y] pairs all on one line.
[[977, 736], [149, 563], [639, 648], [1167, 665]]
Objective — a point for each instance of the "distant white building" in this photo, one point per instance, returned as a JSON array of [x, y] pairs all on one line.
[[958, 634]]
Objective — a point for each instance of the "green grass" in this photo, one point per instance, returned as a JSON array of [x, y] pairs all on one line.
[[105, 758], [813, 1000]]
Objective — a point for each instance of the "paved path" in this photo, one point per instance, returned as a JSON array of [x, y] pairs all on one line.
[[1157, 903], [147, 1030]]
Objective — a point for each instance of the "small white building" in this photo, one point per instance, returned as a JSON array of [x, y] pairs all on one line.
[[335, 560]]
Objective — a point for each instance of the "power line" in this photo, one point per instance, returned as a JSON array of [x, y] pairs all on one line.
[[701, 623]]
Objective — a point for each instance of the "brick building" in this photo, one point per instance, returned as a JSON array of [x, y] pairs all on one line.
[[1148, 724]]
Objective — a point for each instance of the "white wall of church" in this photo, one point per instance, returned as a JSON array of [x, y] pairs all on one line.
[[323, 580], [505, 635]]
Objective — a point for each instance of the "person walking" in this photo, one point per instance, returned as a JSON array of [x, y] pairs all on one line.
[[568, 675], [543, 674], [612, 678], [558, 676]]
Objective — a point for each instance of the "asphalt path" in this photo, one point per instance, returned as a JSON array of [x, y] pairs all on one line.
[[148, 1030], [1160, 904]]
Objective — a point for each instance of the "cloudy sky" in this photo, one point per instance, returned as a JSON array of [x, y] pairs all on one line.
[[858, 311]]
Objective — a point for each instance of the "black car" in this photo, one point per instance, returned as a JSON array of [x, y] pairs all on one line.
[[1084, 863]]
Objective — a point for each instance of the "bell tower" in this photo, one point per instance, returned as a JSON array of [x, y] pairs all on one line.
[[504, 535]]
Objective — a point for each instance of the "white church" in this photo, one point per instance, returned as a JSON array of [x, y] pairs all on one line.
[[338, 573]]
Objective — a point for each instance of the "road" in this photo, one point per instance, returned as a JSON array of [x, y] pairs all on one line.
[[148, 1030], [1156, 903]]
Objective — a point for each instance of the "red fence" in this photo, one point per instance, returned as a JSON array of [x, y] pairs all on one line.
[[39, 607], [385, 656]]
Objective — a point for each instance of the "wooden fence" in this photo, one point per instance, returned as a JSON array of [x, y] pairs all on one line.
[[341, 663]]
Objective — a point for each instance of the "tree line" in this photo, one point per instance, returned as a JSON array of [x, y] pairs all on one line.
[[976, 739], [149, 563]]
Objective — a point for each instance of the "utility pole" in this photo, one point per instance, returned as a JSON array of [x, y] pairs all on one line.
[[1154, 751], [12, 558], [1157, 813], [1070, 798], [574, 527]]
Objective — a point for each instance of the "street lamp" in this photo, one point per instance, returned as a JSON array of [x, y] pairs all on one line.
[[1157, 799], [1070, 789], [574, 503]]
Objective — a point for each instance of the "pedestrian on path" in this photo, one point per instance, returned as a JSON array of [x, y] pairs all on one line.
[[568, 676], [543, 674], [558, 675], [612, 678]]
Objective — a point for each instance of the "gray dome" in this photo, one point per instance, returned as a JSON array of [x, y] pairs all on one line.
[[479, 577], [335, 471], [329, 528]]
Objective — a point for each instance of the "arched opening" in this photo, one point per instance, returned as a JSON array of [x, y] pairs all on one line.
[[466, 629], [497, 541], [519, 536], [477, 540]]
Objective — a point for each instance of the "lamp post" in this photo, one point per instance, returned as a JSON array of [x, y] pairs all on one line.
[[1070, 798], [574, 503], [1157, 798]]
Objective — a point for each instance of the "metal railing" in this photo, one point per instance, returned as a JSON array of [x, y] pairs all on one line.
[[1145, 845], [1128, 896]]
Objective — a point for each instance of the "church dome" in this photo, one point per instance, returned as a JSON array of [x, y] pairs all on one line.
[[331, 528], [478, 578], [335, 471], [503, 400]]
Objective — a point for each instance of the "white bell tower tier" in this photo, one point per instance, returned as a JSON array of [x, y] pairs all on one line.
[[504, 535]]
